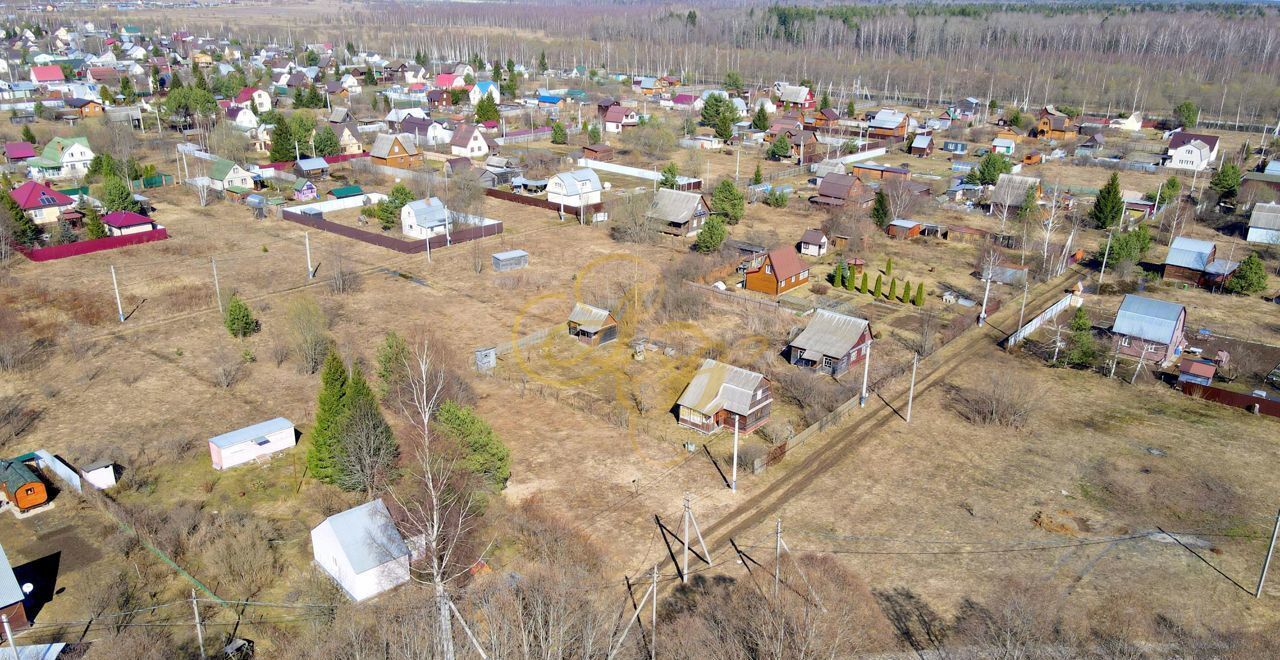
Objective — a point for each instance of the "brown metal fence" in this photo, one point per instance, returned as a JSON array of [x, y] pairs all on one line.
[[542, 203], [1249, 402], [382, 240]]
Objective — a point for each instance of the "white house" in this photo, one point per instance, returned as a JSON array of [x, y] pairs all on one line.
[[351, 84], [1264, 224], [576, 188], [227, 175], [242, 117], [1132, 123], [482, 88], [251, 443], [362, 550], [468, 141], [617, 116], [62, 158], [813, 243], [123, 223], [1191, 151], [1003, 146], [424, 218]]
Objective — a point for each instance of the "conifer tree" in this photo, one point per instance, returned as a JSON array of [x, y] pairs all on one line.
[[918, 301], [837, 278], [862, 288], [879, 290], [322, 457], [1108, 207], [893, 288]]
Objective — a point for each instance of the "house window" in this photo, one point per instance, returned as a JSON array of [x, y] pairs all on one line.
[[1124, 341], [31, 491]]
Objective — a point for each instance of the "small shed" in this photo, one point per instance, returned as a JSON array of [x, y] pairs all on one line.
[[346, 191], [362, 550], [123, 223], [21, 486], [251, 443], [954, 147], [510, 260], [813, 243], [591, 325], [1200, 372], [101, 474], [922, 145], [312, 167], [600, 152], [903, 229]]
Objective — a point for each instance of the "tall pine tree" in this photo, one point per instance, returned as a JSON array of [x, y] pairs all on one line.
[[1108, 208], [322, 457]]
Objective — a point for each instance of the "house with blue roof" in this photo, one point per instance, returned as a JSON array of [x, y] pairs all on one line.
[[483, 88], [1149, 329], [251, 443], [362, 550]]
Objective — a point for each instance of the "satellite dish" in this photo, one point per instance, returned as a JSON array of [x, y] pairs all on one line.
[[28, 588]]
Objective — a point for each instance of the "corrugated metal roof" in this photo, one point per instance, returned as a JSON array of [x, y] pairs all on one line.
[[717, 386], [1011, 189], [671, 205], [429, 212], [1147, 318], [830, 333], [589, 318], [887, 118], [10, 592], [251, 433], [1189, 253], [510, 254], [367, 536], [1265, 216], [580, 181]]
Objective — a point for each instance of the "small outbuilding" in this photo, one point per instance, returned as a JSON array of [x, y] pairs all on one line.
[[312, 168], [1200, 372], [903, 229], [510, 260], [813, 243], [123, 223], [102, 474], [1264, 224], [21, 486], [362, 550], [251, 443], [591, 325]]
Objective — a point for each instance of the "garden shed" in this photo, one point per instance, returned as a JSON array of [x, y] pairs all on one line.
[[510, 260]]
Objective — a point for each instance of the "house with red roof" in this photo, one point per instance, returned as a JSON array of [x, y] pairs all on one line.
[[255, 99], [44, 205], [777, 272], [17, 152], [123, 223], [450, 81], [47, 75]]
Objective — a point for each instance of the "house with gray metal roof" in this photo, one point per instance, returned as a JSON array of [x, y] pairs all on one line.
[[678, 212], [251, 443], [362, 550], [591, 325], [11, 596], [1264, 223], [1149, 329], [1195, 261], [724, 396], [831, 343], [424, 218], [577, 188]]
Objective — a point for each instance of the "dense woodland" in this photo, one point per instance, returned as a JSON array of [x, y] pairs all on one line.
[[1096, 56]]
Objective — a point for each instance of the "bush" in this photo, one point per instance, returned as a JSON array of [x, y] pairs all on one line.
[[998, 400], [711, 236], [239, 318]]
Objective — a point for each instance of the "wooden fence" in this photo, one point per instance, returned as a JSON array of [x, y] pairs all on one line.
[[531, 338]]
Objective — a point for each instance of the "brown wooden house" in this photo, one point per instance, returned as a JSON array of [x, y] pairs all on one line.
[[777, 272], [394, 151], [722, 396], [591, 325], [20, 485], [1053, 124]]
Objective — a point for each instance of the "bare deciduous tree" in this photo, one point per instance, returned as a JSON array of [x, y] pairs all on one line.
[[369, 451], [309, 329], [228, 366], [902, 199]]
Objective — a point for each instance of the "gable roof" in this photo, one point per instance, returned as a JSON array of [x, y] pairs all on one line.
[[1265, 216], [1189, 253], [221, 169], [367, 536], [829, 333], [579, 182], [794, 94], [33, 195], [836, 185], [124, 219], [429, 212], [462, 135], [250, 433], [50, 73], [1147, 318], [312, 164], [813, 237], [10, 591], [382, 145], [589, 318], [14, 150], [786, 262], [717, 386], [1011, 189], [670, 205], [1180, 138], [887, 118]]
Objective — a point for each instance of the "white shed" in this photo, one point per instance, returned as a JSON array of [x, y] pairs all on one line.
[[362, 550], [101, 474], [576, 188], [1264, 224], [251, 443]]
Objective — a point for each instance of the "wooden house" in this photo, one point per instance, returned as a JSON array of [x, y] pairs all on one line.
[[1053, 124], [394, 151], [304, 190], [601, 152], [678, 212], [722, 396], [922, 145], [1195, 262], [831, 343], [777, 272], [890, 125], [1149, 329], [21, 486], [903, 229], [591, 325]]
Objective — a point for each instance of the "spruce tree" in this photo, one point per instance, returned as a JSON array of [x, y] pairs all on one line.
[[710, 236], [1250, 276], [880, 210], [669, 173], [727, 201], [888, 268], [757, 178], [93, 227], [1108, 208], [893, 288], [906, 291], [760, 120], [780, 149], [484, 453], [27, 134], [486, 109], [848, 278], [282, 146], [239, 318], [558, 134], [322, 457]]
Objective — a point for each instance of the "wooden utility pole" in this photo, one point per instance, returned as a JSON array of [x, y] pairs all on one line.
[[1262, 579]]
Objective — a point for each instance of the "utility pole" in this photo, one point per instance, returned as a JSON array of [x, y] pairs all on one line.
[[911, 394], [217, 291], [866, 371], [115, 285], [1105, 254], [733, 482], [8, 635], [777, 556], [306, 236], [1262, 579], [199, 630], [653, 646]]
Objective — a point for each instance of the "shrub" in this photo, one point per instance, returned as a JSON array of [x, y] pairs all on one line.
[[239, 318]]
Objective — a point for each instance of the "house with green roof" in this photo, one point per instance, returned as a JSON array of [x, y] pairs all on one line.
[[62, 158], [229, 176]]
